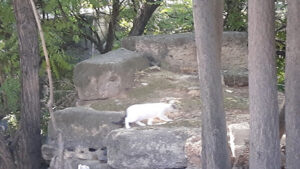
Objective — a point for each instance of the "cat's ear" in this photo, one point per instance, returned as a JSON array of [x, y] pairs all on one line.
[[172, 102]]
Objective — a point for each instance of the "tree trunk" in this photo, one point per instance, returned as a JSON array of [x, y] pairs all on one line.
[[208, 23], [30, 140], [143, 17], [282, 121], [292, 88], [112, 26], [264, 122]]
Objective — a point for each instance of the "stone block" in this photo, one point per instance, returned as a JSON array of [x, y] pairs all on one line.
[[84, 127], [107, 75], [148, 147]]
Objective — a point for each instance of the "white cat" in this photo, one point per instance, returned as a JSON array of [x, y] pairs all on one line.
[[138, 112]]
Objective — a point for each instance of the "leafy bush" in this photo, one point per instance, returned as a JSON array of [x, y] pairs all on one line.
[[175, 17], [10, 96]]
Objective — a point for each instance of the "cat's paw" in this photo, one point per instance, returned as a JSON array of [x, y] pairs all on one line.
[[127, 125], [150, 122], [140, 123]]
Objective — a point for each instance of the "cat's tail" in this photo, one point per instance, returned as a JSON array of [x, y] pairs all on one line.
[[120, 122]]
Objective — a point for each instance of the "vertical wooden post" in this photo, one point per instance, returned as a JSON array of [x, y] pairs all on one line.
[[264, 122], [208, 22]]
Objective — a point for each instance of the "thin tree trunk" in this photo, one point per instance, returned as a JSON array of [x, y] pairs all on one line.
[[282, 121], [143, 17], [59, 160], [30, 139], [264, 122], [293, 85], [112, 26], [208, 23]]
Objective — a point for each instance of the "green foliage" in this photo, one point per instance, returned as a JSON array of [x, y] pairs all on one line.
[[125, 22], [6, 18], [176, 17], [280, 73], [44, 121], [61, 64], [280, 26], [9, 62], [235, 13], [10, 96], [9, 57]]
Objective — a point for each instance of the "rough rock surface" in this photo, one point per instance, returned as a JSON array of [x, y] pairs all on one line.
[[107, 75], [177, 52], [239, 143], [193, 148], [83, 131], [84, 127], [148, 147], [91, 164], [48, 151], [174, 52], [236, 77]]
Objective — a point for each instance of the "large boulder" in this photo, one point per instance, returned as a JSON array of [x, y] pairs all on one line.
[[84, 127], [149, 147], [177, 52], [107, 75]]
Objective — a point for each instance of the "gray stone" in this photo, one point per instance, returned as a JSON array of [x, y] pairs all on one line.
[[107, 75], [148, 147], [84, 127], [91, 164], [177, 52], [193, 148], [236, 77], [48, 151], [84, 153], [239, 143], [173, 52], [84, 156]]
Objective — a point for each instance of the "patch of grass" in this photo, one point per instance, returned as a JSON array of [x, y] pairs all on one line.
[[143, 92], [189, 104], [235, 103], [190, 123], [108, 105]]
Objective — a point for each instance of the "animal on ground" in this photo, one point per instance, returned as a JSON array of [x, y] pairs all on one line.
[[148, 111]]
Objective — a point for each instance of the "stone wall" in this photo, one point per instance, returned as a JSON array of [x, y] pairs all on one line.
[[177, 52]]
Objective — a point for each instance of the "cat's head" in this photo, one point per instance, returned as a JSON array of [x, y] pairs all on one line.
[[175, 104]]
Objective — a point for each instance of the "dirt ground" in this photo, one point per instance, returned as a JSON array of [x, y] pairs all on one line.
[[156, 85]]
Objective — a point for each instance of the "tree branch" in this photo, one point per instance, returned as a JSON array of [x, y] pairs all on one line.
[[51, 98], [98, 42], [112, 25], [143, 17]]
